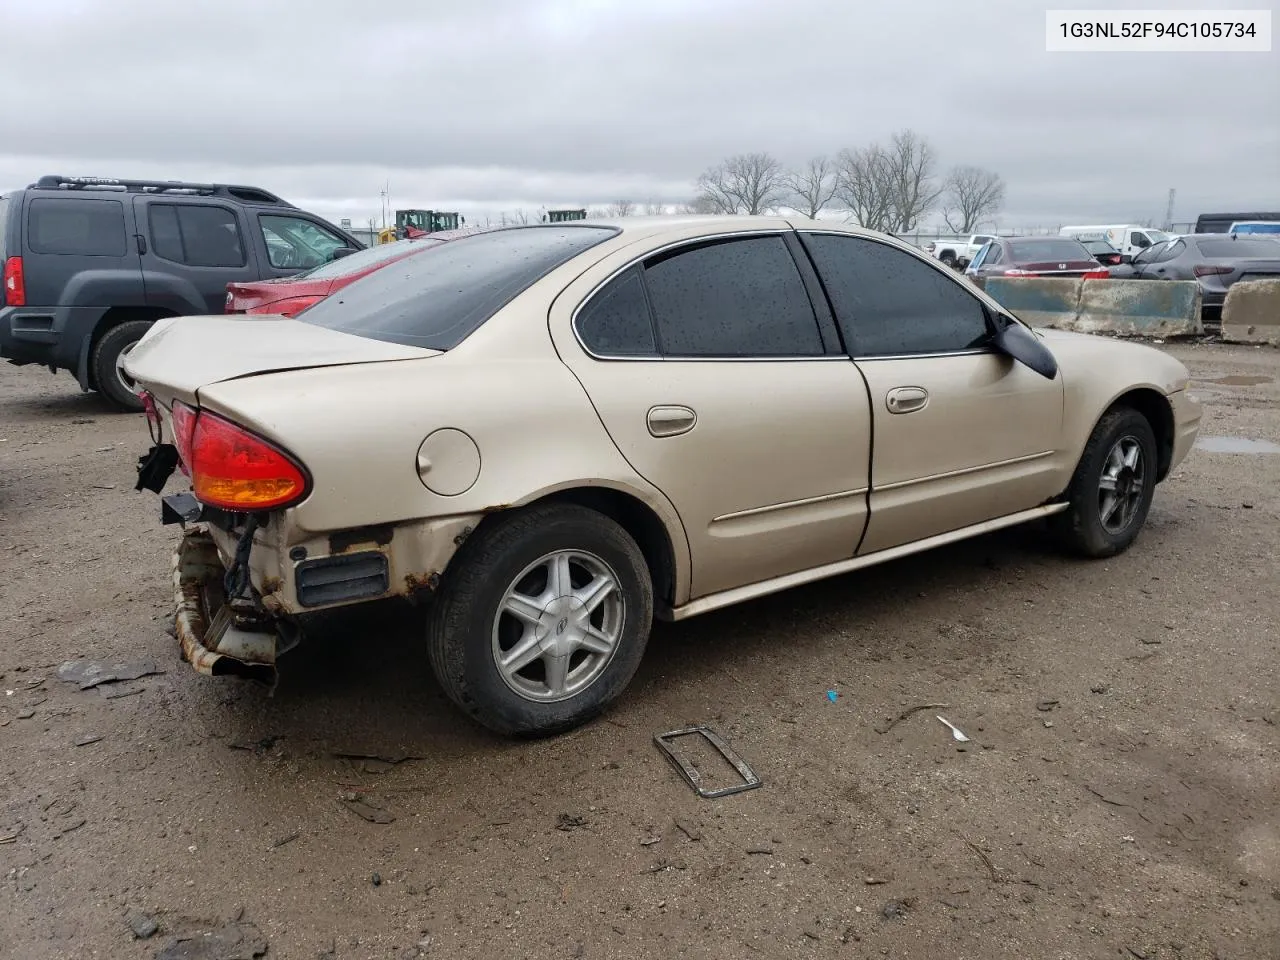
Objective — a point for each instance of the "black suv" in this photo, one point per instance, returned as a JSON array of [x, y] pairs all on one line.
[[90, 264]]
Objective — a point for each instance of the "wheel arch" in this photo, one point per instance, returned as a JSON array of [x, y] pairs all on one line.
[[111, 317], [1157, 410]]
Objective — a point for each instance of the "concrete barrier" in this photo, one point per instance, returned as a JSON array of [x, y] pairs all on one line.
[[1251, 313], [1039, 301], [1144, 308], [1147, 308]]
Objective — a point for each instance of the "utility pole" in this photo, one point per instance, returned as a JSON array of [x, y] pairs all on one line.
[[1168, 210]]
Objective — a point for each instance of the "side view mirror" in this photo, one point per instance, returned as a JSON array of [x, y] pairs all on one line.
[[342, 252], [1017, 341]]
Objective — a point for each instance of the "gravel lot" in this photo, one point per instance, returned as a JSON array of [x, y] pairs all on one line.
[[1120, 796]]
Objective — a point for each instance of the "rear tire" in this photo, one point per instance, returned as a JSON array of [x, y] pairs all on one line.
[[105, 363], [948, 260], [555, 581], [1112, 488]]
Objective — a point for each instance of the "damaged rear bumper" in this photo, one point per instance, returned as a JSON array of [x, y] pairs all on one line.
[[219, 638]]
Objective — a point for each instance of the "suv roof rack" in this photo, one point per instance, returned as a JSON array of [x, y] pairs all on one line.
[[234, 191]]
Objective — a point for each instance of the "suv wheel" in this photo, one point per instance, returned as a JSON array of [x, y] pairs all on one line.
[[107, 360], [1112, 488], [541, 619]]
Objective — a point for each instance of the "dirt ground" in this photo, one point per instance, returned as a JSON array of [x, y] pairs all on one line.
[[1120, 796]]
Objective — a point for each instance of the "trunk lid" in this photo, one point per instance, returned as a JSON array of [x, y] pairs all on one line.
[[179, 355], [1059, 268]]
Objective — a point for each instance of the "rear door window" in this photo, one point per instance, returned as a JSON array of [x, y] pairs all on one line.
[[85, 228], [436, 299], [732, 298], [616, 321], [892, 303], [1246, 247], [196, 234]]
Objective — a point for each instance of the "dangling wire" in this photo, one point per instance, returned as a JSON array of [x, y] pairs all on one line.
[[236, 582]]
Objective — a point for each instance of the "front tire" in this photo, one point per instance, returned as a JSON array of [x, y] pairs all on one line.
[[108, 354], [1112, 488], [541, 619]]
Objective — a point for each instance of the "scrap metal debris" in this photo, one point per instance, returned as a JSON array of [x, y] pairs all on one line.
[[691, 774], [374, 762], [87, 674], [235, 941]]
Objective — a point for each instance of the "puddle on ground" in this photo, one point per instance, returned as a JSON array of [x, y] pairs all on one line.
[[1236, 380], [1236, 445]]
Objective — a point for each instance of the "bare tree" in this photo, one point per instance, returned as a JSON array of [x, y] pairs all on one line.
[[973, 195], [750, 183], [653, 208], [914, 190], [862, 186], [621, 208], [813, 186], [520, 217]]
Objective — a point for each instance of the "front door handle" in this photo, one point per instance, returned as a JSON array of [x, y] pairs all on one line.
[[670, 421], [906, 399]]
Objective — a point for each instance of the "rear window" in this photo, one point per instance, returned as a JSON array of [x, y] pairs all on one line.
[[1247, 247], [366, 258], [86, 228], [1023, 251], [439, 298]]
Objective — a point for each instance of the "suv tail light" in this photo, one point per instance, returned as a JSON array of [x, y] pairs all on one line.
[[1204, 270], [15, 284], [1100, 274], [231, 467]]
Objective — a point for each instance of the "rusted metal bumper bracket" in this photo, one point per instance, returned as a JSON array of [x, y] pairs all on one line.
[[690, 772], [220, 638]]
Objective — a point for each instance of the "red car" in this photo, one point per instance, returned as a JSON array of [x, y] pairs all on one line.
[[289, 296]]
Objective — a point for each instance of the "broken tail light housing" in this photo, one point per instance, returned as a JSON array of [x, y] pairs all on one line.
[[15, 284], [286, 308], [232, 468]]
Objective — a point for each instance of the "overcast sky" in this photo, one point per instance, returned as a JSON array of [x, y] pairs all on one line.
[[489, 105]]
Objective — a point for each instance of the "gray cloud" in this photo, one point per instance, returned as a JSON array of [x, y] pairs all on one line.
[[497, 104]]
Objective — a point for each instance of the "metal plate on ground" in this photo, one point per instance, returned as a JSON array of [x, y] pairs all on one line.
[[691, 774]]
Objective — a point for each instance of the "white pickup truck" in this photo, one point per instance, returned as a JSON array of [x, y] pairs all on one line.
[[957, 253]]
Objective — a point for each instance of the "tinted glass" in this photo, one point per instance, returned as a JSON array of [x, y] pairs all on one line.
[[87, 228], [981, 239], [1158, 236], [735, 298], [295, 243], [1245, 247], [1028, 251], [210, 237], [166, 236], [615, 322], [889, 302], [1255, 228], [993, 255], [1099, 246], [1148, 255], [1170, 251], [369, 257], [436, 299]]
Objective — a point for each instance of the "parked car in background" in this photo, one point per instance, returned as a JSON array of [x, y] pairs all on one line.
[[1214, 260], [1221, 222], [289, 296], [1129, 238], [1256, 226], [1104, 253], [957, 253], [1036, 257], [394, 440], [91, 263]]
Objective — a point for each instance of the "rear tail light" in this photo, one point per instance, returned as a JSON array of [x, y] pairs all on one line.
[[1204, 270], [1100, 274], [288, 308], [236, 470], [15, 284], [1016, 272], [184, 430]]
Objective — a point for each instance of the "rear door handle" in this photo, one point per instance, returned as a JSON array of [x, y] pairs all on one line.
[[906, 399], [670, 421]]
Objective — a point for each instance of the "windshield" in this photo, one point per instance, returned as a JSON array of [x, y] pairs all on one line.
[[1246, 247], [1022, 251], [370, 256], [1255, 228], [438, 300], [1158, 236]]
